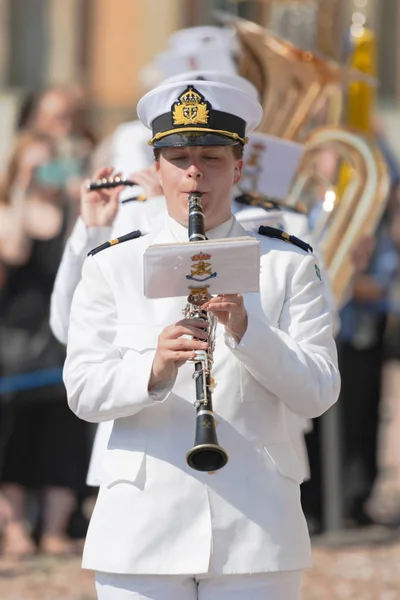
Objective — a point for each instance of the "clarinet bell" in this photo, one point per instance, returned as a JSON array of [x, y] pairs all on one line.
[[206, 454], [207, 458]]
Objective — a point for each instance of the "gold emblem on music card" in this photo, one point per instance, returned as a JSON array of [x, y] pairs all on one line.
[[201, 269]]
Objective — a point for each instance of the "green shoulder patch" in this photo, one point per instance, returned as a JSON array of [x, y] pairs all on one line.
[[124, 238], [272, 232]]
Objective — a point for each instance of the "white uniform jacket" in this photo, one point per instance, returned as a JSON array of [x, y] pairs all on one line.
[[296, 224], [139, 215], [142, 216], [154, 514], [131, 215]]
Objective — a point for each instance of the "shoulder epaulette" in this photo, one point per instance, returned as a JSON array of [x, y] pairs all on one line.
[[140, 198], [258, 201], [124, 238], [272, 232]]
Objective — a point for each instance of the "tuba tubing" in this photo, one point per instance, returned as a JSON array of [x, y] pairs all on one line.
[[357, 212]]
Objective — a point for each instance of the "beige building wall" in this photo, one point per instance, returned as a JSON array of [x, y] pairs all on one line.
[[4, 41], [64, 31], [124, 35]]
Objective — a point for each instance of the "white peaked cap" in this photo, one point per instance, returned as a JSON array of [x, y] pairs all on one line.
[[202, 35], [217, 113], [214, 55], [196, 48], [219, 77]]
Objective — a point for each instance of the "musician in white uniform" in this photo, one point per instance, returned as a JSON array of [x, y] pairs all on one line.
[[100, 221], [161, 530]]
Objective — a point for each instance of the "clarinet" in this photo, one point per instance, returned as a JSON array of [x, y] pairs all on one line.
[[206, 454]]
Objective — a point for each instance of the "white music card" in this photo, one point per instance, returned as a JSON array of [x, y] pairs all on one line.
[[224, 266], [270, 164]]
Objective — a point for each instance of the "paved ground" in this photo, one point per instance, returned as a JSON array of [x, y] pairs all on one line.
[[361, 573]]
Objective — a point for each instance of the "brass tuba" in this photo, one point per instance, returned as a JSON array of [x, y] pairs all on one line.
[[298, 89], [302, 97], [347, 210]]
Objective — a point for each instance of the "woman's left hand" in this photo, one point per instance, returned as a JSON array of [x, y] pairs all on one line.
[[149, 180], [230, 312]]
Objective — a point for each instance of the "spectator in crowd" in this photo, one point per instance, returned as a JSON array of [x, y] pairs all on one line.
[[361, 355], [56, 112], [44, 447]]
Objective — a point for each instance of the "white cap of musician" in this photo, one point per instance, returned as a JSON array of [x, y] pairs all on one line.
[[201, 35], [195, 48], [199, 113], [219, 77]]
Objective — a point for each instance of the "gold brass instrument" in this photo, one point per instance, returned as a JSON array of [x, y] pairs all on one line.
[[295, 86], [302, 97], [343, 216]]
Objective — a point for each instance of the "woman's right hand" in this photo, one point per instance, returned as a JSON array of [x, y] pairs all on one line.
[[173, 350], [99, 207], [34, 156]]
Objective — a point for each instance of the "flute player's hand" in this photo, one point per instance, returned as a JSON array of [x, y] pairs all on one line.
[[149, 181], [99, 207]]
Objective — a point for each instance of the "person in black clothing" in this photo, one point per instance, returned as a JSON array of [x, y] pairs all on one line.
[[43, 445]]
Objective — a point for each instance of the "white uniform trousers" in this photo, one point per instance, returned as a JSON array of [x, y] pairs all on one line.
[[284, 585]]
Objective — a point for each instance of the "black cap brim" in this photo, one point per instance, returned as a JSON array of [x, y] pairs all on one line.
[[178, 140]]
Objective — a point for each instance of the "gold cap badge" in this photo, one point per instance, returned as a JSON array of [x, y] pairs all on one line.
[[190, 109]]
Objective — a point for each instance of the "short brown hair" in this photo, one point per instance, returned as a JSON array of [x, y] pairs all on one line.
[[237, 150]]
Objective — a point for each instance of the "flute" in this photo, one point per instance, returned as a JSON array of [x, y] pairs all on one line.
[[112, 182]]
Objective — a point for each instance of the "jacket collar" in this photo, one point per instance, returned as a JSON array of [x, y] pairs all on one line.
[[170, 231]]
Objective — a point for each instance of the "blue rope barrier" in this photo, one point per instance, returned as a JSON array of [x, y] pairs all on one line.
[[30, 381]]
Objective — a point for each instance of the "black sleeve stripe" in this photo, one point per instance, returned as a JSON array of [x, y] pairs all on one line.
[[272, 232], [140, 198], [124, 238]]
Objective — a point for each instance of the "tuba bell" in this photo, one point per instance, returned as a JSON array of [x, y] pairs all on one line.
[[302, 97], [298, 89]]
